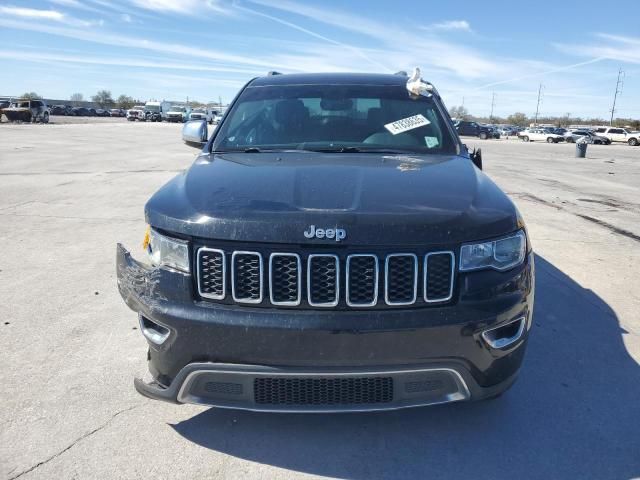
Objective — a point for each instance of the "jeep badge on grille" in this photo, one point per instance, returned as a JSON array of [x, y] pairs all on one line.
[[331, 233]]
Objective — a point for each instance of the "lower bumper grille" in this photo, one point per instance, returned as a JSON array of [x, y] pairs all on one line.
[[273, 389], [323, 391]]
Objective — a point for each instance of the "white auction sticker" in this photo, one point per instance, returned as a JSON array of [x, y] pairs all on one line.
[[408, 123]]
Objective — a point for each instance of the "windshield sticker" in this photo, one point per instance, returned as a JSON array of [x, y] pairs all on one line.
[[431, 142], [406, 124]]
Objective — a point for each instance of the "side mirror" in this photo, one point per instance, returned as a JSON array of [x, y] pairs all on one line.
[[195, 134], [476, 157]]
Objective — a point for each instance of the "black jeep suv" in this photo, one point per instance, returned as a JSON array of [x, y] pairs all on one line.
[[473, 129], [333, 247]]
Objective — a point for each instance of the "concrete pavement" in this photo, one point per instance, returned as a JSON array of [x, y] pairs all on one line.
[[70, 347]]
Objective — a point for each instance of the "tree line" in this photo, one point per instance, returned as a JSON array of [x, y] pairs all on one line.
[[523, 120], [106, 100]]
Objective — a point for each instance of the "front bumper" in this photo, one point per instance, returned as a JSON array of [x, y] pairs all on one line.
[[219, 354]]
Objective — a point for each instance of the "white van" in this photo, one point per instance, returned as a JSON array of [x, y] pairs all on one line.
[[203, 113], [158, 107]]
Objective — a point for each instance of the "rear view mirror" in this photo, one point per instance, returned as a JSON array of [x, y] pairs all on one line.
[[195, 133], [476, 157]]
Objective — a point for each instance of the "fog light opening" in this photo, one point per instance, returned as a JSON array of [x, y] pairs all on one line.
[[152, 331], [505, 335]]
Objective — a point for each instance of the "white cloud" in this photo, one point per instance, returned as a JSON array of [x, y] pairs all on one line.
[[125, 17], [613, 47], [358, 51], [460, 25], [67, 3], [53, 15], [184, 7], [126, 41], [32, 13], [120, 61]]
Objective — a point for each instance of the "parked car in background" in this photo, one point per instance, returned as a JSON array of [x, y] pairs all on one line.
[[159, 110], [4, 104], [619, 135], [136, 113], [152, 116], [508, 131], [60, 110], [81, 112], [204, 113], [473, 129], [539, 134], [559, 131], [116, 112], [178, 113], [28, 111], [586, 135]]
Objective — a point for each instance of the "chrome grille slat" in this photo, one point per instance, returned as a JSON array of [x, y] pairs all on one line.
[[212, 273], [316, 280], [330, 289], [401, 270], [438, 276], [246, 277], [362, 280], [282, 280]]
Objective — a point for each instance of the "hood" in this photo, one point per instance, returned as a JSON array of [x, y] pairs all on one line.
[[376, 199]]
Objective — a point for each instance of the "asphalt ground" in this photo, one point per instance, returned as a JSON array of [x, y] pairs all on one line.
[[70, 347]]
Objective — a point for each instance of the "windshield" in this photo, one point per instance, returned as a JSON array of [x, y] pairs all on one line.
[[153, 108], [334, 117], [198, 110], [177, 109]]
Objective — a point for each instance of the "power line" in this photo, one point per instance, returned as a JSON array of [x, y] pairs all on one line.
[[619, 85]]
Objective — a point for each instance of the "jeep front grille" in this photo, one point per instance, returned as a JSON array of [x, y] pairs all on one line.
[[323, 280]]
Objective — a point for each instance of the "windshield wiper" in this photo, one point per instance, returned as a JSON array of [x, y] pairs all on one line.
[[333, 149]]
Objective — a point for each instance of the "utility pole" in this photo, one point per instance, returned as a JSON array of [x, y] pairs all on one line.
[[493, 104], [535, 121], [619, 85]]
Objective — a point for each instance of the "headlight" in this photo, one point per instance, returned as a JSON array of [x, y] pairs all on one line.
[[501, 254], [167, 251]]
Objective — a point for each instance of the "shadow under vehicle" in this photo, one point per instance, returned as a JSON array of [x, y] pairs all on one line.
[[573, 413]]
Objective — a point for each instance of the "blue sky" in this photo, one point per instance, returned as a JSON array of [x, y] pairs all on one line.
[[207, 49]]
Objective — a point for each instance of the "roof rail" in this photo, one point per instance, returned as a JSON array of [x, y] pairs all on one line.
[[402, 73], [272, 73]]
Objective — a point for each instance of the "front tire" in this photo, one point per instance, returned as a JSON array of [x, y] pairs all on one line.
[[483, 136], [633, 142], [45, 117], [525, 139], [550, 140]]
